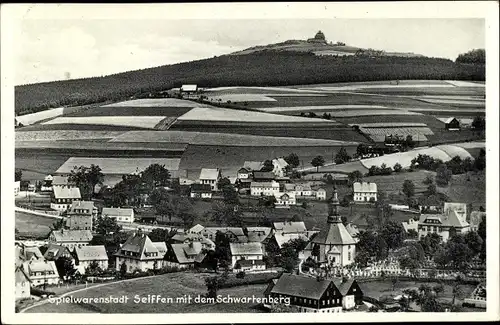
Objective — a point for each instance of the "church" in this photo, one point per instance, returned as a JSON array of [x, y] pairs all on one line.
[[333, 245], [318, 38]]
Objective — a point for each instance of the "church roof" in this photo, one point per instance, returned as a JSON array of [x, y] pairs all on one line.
[[335, 234]]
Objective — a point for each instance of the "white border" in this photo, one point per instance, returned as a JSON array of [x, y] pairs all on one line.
[[11, 13]]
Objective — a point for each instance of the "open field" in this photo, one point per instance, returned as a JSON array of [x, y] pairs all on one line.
[[222, 139], [36, 166], [32, 225], [65, 135], [230, 159], [146, 122], [120, 166], [471, 191], [156, 102], [172, 285], [344, 168], [239, 98], [393, 184], [85, 127], [132, 111]]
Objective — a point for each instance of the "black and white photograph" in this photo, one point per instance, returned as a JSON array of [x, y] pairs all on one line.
[[203, 161]]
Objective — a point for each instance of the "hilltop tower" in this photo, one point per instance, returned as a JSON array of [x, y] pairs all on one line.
[[318, 38], [333, 245]]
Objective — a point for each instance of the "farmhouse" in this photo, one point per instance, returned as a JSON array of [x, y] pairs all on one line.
[[285, 200], [333, 245], [315, 295], [364, 192], [185, 255], [410, 225], [81, 215], [441, 224], [42, 272], [85, 256], [450, 123], [235, 234], [23, 284], [120, 214], [70, 238], [139, 253], [196, 229], [63, 196], [281, 238], [201, 191], [210, 176], [189, 89], [264, 188], [54, 252], [247, 251], [29, 254], [243, 174]]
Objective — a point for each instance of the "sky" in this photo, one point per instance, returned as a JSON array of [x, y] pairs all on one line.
[[49, 49]]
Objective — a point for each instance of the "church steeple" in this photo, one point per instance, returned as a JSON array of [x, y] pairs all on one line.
[[333, 207]]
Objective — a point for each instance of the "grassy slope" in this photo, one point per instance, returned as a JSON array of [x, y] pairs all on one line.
[[32, 225], [462, 190], [169, 285]]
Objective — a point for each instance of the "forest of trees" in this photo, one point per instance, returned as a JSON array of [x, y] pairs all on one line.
[[474, 56], [267, 68]]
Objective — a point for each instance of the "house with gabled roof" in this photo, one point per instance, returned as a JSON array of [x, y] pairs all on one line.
[[259, 176], [459, 208], [70, 238], [290, 227], [364, 191], [210, 176], [139, 253], [253, 252], [450, 123], [120, 214], [196, 229], [23, 284], [54, 252], [185, 255], [315, 295], [264, 188], [201, 191], [63, 196], [285, 200], [41, 272], [85, 256], [235, 234], [441, 224], [258, 234], [279, 165], [206, 243], [253, 166]]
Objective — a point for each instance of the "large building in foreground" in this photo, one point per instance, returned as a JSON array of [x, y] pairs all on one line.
[[314, 295], [333, 245]]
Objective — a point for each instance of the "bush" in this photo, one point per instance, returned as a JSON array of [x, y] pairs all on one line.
[[40, 292], [240, 275], [253, 278]]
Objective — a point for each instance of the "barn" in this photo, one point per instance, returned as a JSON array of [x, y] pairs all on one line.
[[450, 123]]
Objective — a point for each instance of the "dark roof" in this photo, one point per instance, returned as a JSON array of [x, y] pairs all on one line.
[[54, 251], [201, 188], [343, 286], [300, 286], [263, 175]]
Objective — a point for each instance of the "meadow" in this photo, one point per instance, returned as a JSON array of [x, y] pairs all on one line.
[[132, 111], [468, 188], [146, 122], [172, 285], [30, 225]]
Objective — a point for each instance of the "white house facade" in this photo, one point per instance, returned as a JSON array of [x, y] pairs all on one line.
[[364, 192]]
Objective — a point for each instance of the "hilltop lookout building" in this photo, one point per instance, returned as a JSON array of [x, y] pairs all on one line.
[[318, 38]]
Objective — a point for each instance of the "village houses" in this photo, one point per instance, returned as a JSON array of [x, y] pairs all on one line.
[[54, 252], [139, 253], [81, 215], [86, 255], [441, 224], [125, 215], [248, 255], [201, 191], [185, 255], [264, 188], [210, 176], [70, 238], [63, 196], [315, 295], [364, 192], [285, 200], [41, 272]]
